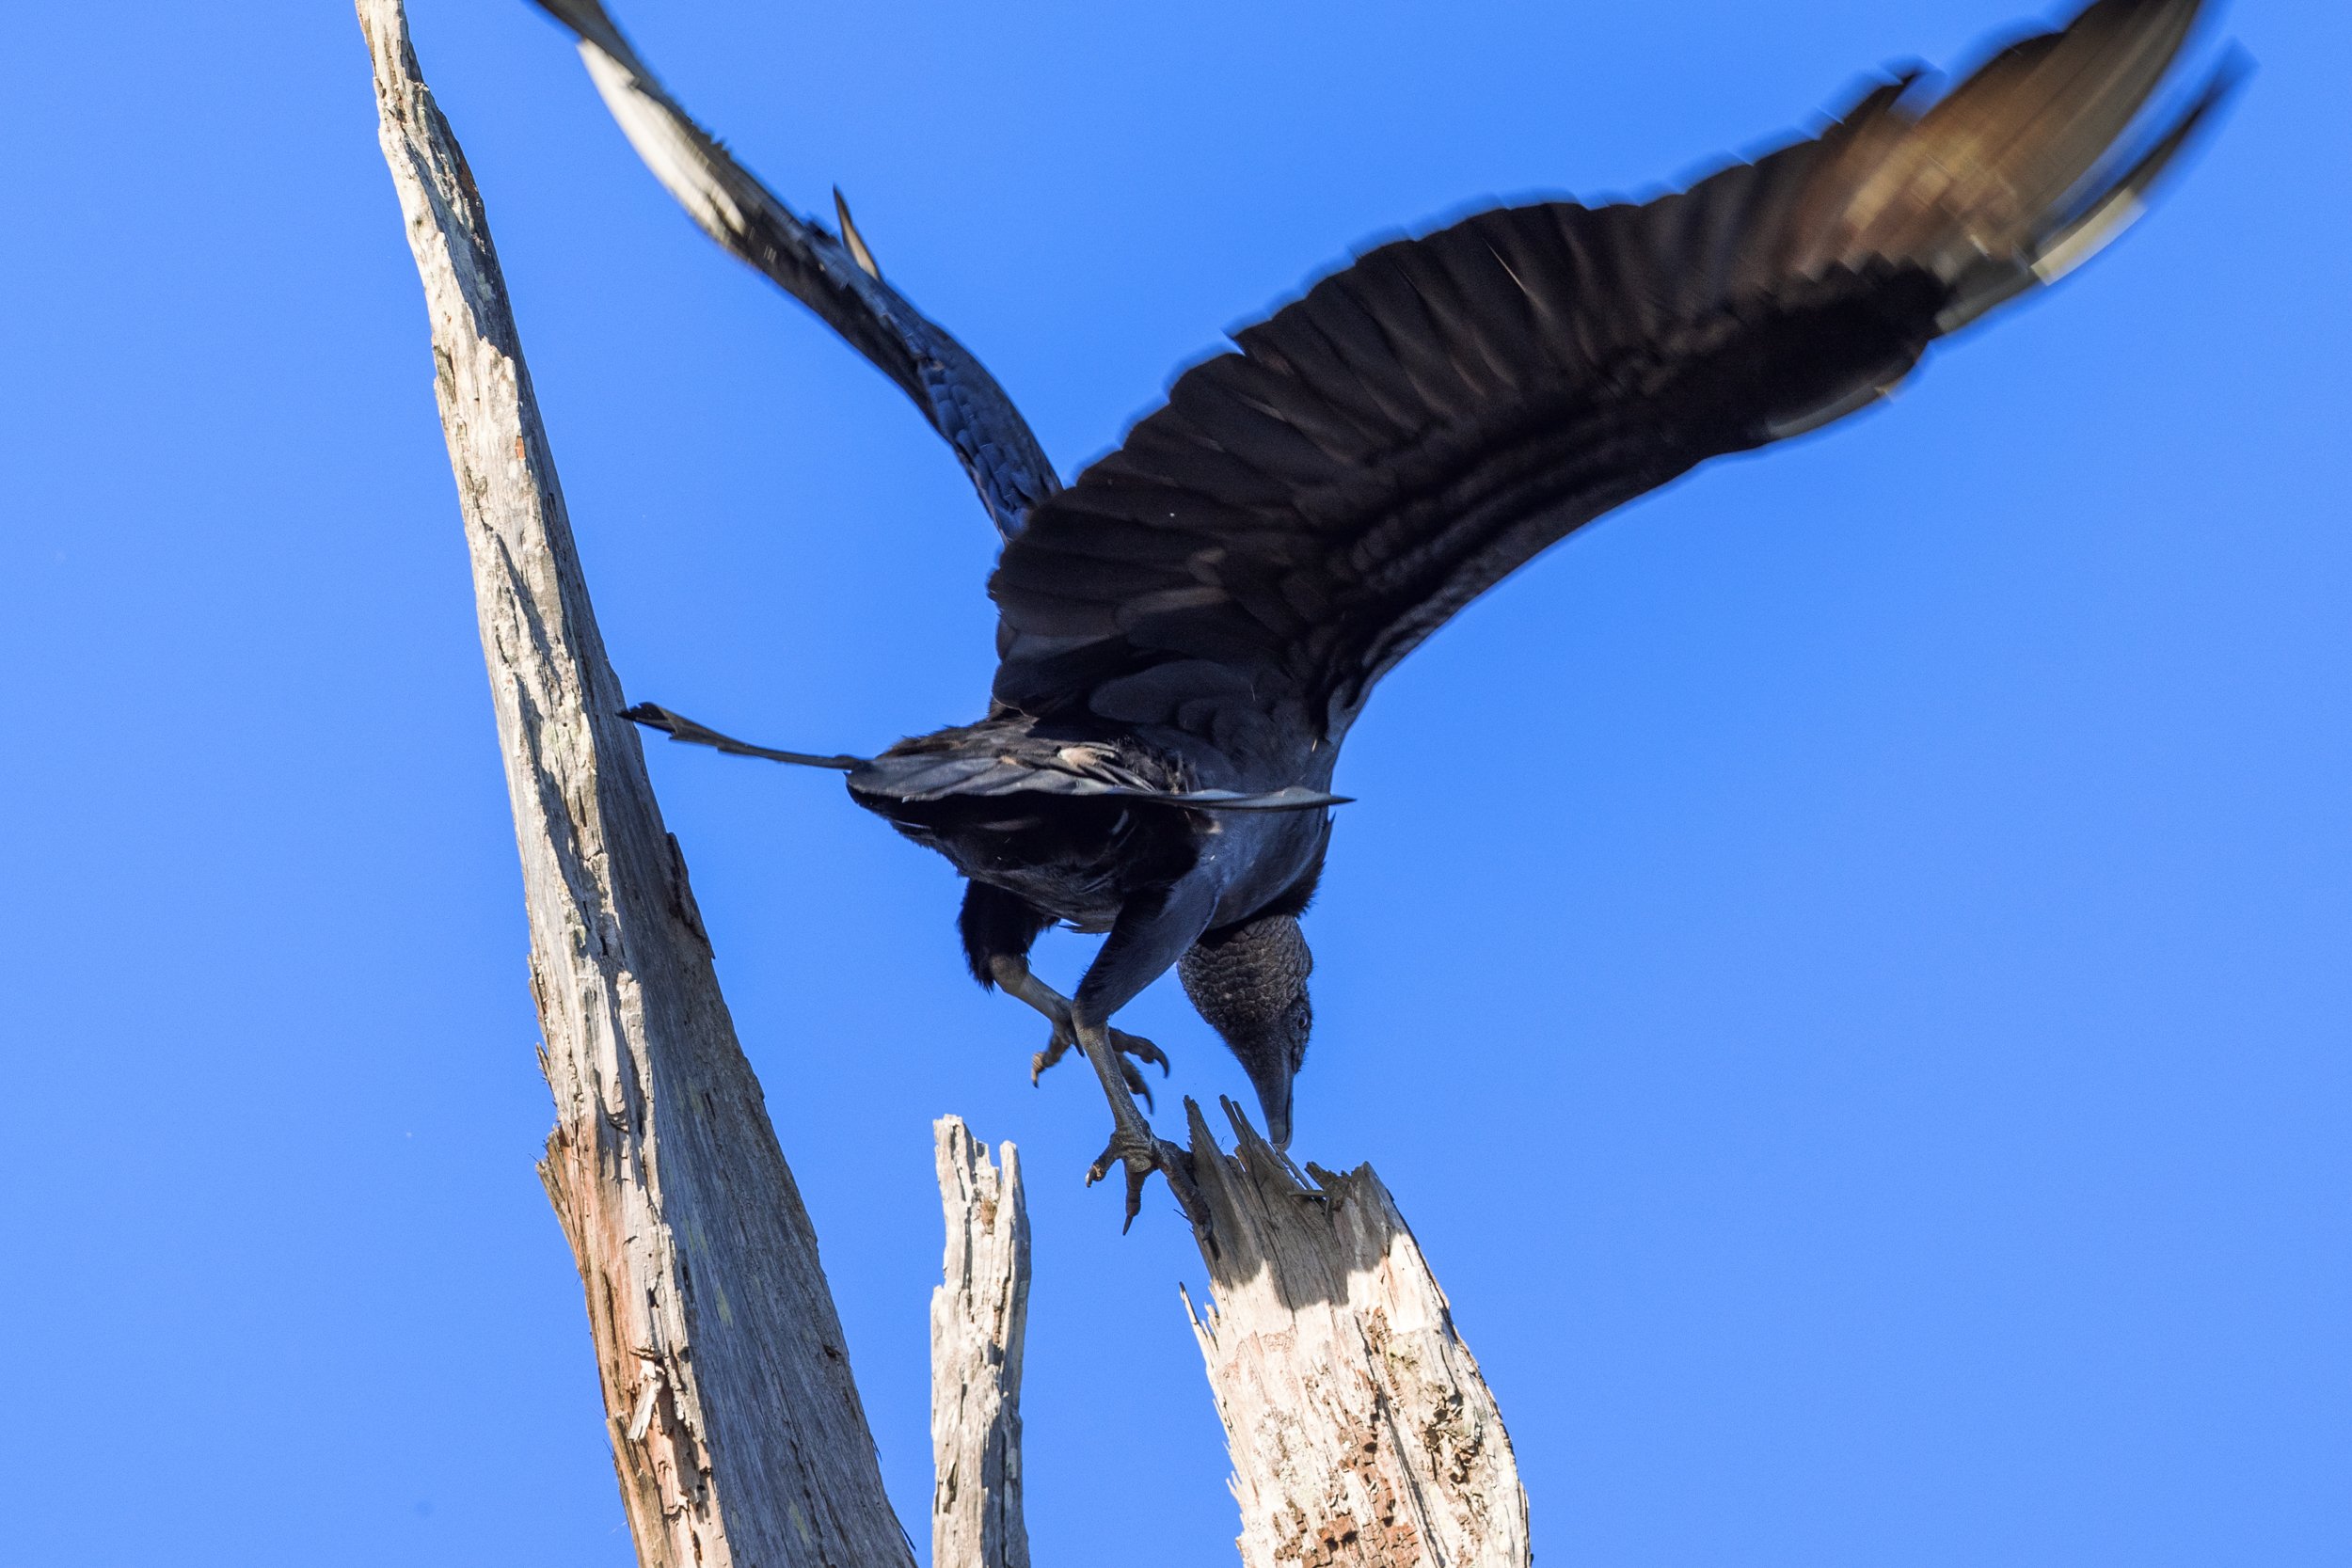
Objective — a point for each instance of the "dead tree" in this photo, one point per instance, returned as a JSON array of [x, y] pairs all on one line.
[[979, 1317], [1359, 1430]]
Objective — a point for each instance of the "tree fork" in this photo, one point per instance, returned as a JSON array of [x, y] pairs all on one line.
[[1361, 1433]]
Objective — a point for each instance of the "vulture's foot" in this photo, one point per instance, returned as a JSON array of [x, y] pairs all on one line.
[[1127, 1045], [1132, 1143], [1014, 978], [1142, 1154]]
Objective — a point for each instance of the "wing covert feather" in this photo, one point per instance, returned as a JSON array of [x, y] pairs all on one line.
[[1304, 509]]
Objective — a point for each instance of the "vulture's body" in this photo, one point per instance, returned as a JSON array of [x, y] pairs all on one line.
[[1188, 631]]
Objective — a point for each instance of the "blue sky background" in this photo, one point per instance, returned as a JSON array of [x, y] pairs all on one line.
[[1843, 966]]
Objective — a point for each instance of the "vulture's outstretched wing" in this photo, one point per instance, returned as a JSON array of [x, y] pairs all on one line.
[[834, 276], [1302, 513]]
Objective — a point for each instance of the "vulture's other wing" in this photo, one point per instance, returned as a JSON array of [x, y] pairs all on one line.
[[834, 276], [1303, 512]]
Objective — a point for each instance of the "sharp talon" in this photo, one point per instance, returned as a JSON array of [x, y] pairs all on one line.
[[1125, 1043], [1133, 1077], [1056, 1049], [1141, 1049], [1135, 1179], [1140, 1163]]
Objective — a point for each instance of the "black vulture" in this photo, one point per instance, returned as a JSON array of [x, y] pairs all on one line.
[[1188, 631]]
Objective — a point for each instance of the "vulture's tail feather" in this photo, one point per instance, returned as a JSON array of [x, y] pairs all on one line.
[[678, 728], [980, 774]]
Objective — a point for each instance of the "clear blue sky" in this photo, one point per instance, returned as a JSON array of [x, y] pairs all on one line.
[[1875, 1083]]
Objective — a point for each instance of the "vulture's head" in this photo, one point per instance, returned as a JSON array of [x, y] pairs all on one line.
[[1249, 982]]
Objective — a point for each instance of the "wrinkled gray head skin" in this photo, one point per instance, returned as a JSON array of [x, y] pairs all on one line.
[[1250, 981]]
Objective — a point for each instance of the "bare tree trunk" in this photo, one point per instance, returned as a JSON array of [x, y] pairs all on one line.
[[735, 1427], [979, 1315], [1361, 1432]]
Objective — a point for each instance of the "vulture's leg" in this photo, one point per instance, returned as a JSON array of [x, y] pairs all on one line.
[[1013, 977], [1150, 934], [998, 929]]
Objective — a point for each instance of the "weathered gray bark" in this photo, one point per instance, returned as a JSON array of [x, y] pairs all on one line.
[[1362, 1434], [1359, 1430], [735, 1428], [979, 1314]]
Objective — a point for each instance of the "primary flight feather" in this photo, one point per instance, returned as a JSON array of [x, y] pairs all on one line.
[[1187, 631]]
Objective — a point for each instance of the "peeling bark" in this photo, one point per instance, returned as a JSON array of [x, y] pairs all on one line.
[[735, 1427], [979, 1316], [1362, 1434]]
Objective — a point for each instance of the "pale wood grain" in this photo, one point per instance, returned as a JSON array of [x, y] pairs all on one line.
[[735, 1426], [1360, 1431], [979, 1317]]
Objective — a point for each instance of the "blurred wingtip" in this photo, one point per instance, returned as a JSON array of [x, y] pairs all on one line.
[[852, 238], [2120, 202]]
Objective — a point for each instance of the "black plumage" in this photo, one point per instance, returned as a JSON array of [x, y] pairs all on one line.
[[1188, 631]]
